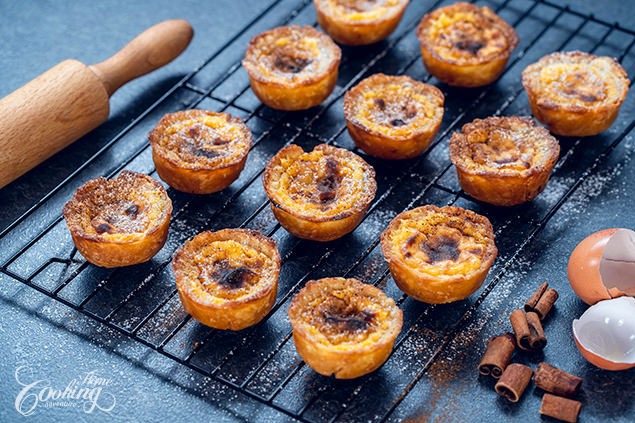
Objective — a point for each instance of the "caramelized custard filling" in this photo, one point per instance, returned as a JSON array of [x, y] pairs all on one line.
[[209, 140], [438, 244], [320, 183], [512, 144], [229, 270], [291, 54], [342, 317], [576, 83], [122, 209], [396, 109], [466, 34]]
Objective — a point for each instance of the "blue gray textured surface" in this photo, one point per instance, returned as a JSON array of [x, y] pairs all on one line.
[[59, 345]]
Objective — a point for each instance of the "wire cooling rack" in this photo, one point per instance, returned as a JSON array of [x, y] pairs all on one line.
[[260, 362]]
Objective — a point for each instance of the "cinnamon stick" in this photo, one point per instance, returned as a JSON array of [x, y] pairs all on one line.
[[520, 328], [546, 302], [537, 338], [497, 355], [528, 330], [513, 382], [552, 379], [533, 300], [560, 408]]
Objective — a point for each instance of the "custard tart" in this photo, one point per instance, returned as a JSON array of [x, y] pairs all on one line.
[[227, 279], [574, 93], [359, 22], [465, 45], [343, 327], [121, 221], [393, 117], [200, 152], [503, 160], [321, 195], [292, 67], [439, 255]]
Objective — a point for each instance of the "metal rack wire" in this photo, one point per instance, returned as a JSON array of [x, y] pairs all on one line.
[[142, 304]]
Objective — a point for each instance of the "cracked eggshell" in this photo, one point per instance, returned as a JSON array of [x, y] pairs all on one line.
[[602, 266], [605, 334]]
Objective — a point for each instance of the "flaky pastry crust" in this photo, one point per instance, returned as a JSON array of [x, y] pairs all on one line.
[[227, 279], [503, 160], [198, 151], [321, 195], [575, 93], [121, 221], [393, 117], [439, 255], [343, 327], [292, 67], [465, 45], [359, 22]]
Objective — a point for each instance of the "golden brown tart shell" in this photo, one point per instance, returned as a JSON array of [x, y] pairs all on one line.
[[198, 151], [439, 255], [464, 45], [354, 25], [393, 117], [321, 195], [292, 67], [343, 327], [503, 161], [574, 93], [121, 221], [227, 279]]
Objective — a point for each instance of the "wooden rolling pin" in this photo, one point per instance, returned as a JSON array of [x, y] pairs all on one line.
[[71, 99]]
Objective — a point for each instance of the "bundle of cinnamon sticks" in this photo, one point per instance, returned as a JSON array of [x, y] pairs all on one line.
[[514, 378]]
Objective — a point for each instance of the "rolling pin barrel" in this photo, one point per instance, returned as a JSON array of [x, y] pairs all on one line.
[[71, 99]]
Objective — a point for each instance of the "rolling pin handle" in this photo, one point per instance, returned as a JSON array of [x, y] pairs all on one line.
[[153, 48]]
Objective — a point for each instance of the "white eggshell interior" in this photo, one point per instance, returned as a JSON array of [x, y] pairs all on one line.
[[617, 265], [607, 329]]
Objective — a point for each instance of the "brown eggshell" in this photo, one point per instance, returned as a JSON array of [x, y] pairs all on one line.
[[584, 267]]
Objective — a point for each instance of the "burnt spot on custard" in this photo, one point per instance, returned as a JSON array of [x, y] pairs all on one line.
[[198, 136], [290, 64], [381, 103], [470, 46], [194, 131], [327, 185], [401, 116], [583, 96], [505, 160], [348, 320], [102, 228], [116, 218], [397, 122], [581, 85], [230, 277], [440, 248], [132, 211], [203, 152]]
